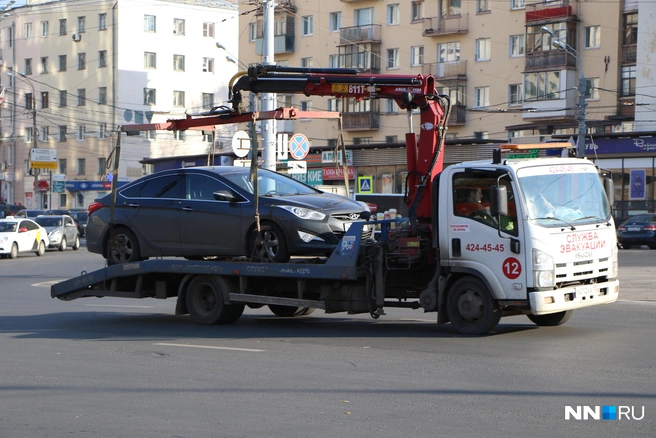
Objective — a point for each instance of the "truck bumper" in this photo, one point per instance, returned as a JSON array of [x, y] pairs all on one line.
[[552, 301]]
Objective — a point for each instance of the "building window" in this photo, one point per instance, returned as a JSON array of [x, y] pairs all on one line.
[[208, 30], [306, 105], [208, 100], [178, 63], [515, 94], [28, 135], [45, 101], [62, 62], [81, 24], [592, 37], [208, 65], [150, 24], [333, 104], [481, 97], [102, 21], [102, 58], [80, 132], [45, 25], [392, 58], [481, 135], [62, 26], [415, 10], [307, 24], [149, 96], [416, 56], [81, 61], [178, 26], [483, 49], [483, 6], [630, 29], [102, 165], [27, 30], [179, 135], [179, 99], [390, 106], [62, 98], [44, 64], [517, 46], [102, 130], [102, 95], [335, 21], [29, 101], [393, 14], [252, 32], [391, 139], [43, 134], [81, 166], [81, 97], [28, 66], [150, 60], [448, 52], [592, 88], [628, 81], [62, 132], [62, 165], [517, 4], [306, 62], [363, 17], [541, 86]]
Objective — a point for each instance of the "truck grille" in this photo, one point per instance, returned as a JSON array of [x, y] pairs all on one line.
[[582, 269]]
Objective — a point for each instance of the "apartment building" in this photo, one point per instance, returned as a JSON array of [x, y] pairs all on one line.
[[75, 71], [512, 69]]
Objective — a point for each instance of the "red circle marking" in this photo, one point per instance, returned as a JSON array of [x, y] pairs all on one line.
[[512, 268]]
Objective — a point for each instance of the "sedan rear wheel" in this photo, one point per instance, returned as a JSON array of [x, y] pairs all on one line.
[[76, 245], [269, 244], [123, 247]]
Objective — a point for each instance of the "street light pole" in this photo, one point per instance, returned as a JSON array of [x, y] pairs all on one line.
[[582, 88]]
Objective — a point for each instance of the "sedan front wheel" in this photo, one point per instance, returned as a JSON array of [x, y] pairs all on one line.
[[269, 244]]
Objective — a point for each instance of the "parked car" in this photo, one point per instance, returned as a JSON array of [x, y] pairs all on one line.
[[10, 209], [58, 211], [80, 218], [20, 235], [638, 230], [62, 231], [29, 213], [209, 211]]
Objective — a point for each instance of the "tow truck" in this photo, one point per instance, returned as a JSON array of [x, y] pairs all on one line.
[[528, 231]]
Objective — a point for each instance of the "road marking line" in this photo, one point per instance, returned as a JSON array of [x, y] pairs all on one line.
[[119, 305], [209, 347]]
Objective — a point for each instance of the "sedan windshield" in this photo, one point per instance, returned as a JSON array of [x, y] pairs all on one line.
[[573, 197], [49, 221], [269, 184], [7, 227]]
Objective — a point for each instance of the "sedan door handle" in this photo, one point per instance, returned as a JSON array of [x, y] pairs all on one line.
[[187, 208], [133, 205]]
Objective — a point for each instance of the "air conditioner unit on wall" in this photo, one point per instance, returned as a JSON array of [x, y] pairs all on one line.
[[77, 37]]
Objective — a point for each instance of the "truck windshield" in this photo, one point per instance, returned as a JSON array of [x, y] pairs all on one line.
[[565, 195]]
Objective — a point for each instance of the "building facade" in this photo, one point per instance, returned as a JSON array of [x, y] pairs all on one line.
[[73, 72], [514, 70]]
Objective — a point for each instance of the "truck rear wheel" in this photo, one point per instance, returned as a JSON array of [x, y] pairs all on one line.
[[471, 308], [551, 319], [289, 311], [205, 301]]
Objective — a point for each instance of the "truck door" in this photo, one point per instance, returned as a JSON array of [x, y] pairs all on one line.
[[479, 242]]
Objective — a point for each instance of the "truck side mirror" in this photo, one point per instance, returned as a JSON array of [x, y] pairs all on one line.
[[609, 188], [498, 201]]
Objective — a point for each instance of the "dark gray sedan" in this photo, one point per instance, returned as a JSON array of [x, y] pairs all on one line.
[[209, 211]]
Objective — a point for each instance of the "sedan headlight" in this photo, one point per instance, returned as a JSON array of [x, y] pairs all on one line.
[[54, 234], [544, 274], [304, 213]]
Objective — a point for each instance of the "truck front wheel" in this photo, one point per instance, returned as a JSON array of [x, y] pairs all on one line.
[[471, 308], [205, 301], [551, 319]]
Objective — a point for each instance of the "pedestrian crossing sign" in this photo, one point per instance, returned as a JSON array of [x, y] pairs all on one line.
[[365, 184]]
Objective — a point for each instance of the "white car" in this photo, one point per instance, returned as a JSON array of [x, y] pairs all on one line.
[[19, 235]]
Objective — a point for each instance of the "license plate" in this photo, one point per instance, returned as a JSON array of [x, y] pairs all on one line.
[[584, 291], [634, 228]]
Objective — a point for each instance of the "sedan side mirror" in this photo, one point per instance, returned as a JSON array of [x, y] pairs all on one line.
[[225, 195]]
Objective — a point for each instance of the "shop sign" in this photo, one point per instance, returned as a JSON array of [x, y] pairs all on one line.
[[335, 173]]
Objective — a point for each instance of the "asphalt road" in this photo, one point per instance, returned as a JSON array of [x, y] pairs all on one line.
[[128, 368]]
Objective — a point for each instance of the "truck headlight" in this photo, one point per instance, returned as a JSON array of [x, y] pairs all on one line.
[[614, 265], [543, 269], [304, 213]]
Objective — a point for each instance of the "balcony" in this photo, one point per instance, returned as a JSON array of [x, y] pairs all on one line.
[[360, 34], [555, 10], [550, 59], [448, 25], [446, 70], [357, 56], [457, 116], [629, 54], [281, 44], [363, 121]]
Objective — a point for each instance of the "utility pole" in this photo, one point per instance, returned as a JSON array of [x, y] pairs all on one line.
[[268, 100]]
